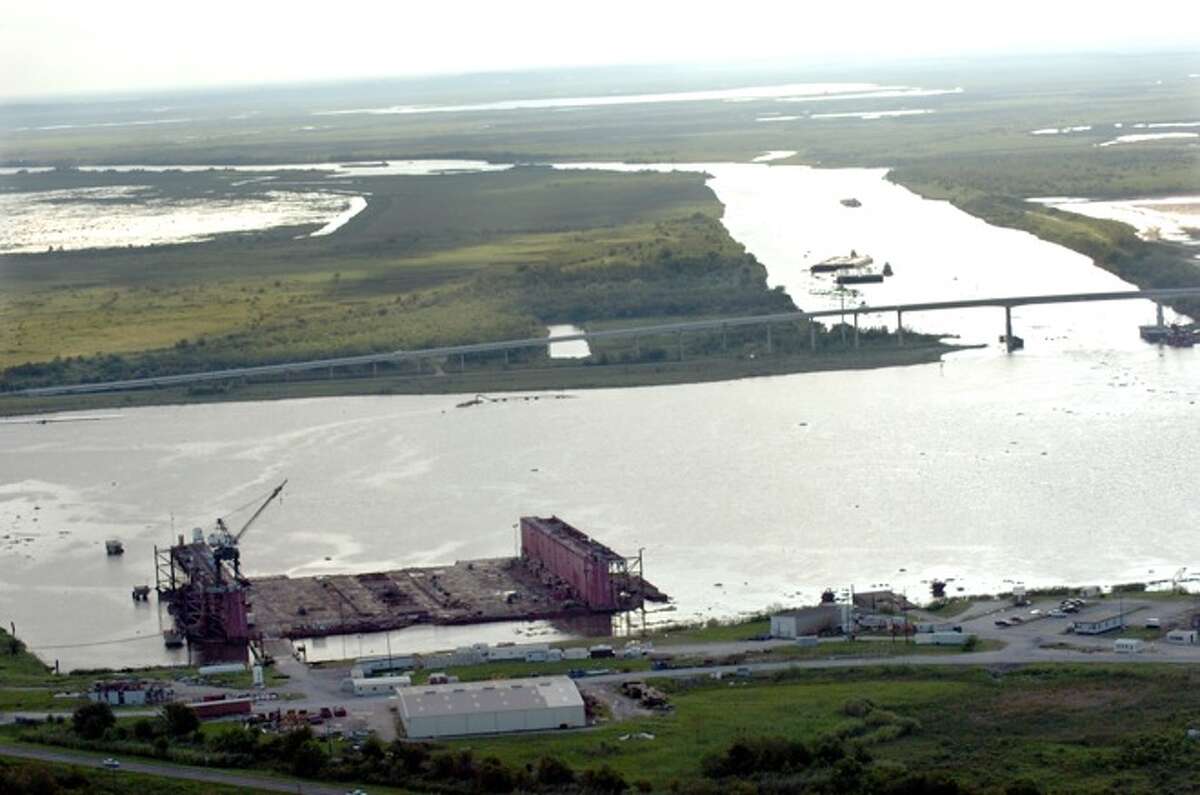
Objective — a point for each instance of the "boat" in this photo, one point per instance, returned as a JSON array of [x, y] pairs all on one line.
[[1155, 333], [851, 202], [1017, 342], [113, 546], [859, 278], [1179, 337], [841, 263]]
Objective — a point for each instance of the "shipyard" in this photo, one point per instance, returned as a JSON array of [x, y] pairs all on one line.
[[561, 572], [599, 400]]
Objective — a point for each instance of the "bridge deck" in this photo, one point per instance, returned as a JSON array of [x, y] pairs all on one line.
[[642, 331]]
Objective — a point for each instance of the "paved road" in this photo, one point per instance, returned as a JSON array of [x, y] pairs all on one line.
[[202, 774]]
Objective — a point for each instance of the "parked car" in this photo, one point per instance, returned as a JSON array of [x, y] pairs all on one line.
[[1003, 622], [339, 712], [1016, 620], [1153, 623], [326, 713], [576, 673], [1056, 613], [111, 764]]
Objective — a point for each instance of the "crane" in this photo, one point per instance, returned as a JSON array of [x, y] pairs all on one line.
[[225, 544]]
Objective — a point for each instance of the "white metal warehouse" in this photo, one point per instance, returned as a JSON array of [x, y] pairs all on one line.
[[489, 707]]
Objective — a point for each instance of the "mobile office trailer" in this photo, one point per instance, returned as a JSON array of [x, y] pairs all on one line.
[[1183, 637], [1128, 646], [1099, 625], [379, 685], [941, 638]]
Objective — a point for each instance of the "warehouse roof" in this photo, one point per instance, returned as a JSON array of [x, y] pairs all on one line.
[[426, 701]]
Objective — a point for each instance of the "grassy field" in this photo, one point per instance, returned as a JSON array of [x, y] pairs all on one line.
[[432, 261], [1065, 728]]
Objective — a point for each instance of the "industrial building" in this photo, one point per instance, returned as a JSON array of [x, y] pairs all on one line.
[[125, 693], [882, 602], [808, 621], [1100, 625], [428, 711]]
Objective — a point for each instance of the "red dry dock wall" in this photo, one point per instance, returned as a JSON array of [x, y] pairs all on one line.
[[573, 557], [232, 607]]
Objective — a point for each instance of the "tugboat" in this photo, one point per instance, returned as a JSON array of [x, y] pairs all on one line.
[[1180, 337], [1017, 342]]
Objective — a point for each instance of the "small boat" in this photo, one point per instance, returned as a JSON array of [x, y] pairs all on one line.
[[113, 546], [1017, 342], [841, 263], [851, 202]]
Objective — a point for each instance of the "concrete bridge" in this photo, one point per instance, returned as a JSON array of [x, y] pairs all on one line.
[[678, 329]]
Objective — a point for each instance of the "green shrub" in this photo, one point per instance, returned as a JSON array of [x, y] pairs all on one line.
[[91, 721]]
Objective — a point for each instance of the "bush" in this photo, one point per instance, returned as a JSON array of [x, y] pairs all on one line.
[[857, 707], [921, 784], [604, 781], [180, 720], [236, 740], [493, 776], [91, 721], [748, 757], [553, 772], [308, 759], [143, 730]]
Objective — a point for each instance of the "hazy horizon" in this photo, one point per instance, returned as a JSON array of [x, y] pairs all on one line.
[[88, 52]]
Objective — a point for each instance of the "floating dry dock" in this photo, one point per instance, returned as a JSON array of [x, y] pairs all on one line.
[[561, 572]]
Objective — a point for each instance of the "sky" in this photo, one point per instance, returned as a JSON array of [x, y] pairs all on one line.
[[83, 46]]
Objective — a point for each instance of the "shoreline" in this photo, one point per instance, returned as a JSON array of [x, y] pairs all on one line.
[[579, 376]]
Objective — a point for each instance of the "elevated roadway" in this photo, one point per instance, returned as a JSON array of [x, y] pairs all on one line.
[[504, 346]]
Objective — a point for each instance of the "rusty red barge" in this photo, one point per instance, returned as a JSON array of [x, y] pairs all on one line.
[[561, 572]]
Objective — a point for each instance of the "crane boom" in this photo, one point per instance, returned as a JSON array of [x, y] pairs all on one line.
[[261, 508]]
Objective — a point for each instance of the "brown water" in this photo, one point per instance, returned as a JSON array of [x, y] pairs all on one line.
[[1066, 462]]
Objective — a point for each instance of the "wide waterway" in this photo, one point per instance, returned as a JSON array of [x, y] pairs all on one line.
[[1067, 462]]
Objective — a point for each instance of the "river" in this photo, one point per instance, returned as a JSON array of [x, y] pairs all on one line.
[[1066, 462]]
